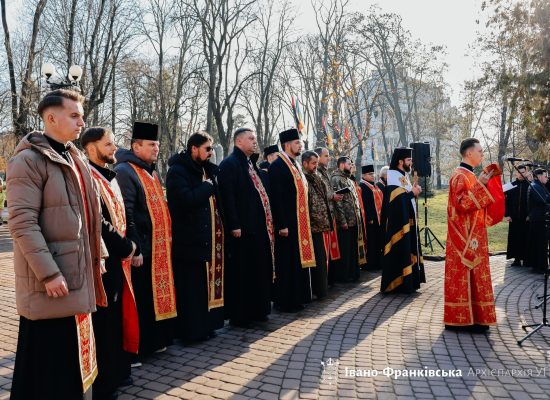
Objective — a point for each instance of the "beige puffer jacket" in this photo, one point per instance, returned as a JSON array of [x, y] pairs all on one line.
[[47, 223]]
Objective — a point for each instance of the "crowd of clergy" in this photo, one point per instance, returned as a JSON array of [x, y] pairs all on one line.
[[112, 266]]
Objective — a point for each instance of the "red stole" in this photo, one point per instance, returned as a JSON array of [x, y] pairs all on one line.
[[378, 197], [495, 212], [267, 211], [110, 193], [332, 238], [215, 267], [305, 241], [84, 328], [164, 292], [361, 225]]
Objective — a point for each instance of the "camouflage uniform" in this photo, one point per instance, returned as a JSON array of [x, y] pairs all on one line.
[[345, 210], [319, 208]]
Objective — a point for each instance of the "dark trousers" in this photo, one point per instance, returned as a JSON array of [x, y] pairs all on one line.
[[319, 274], [194, 322], [153, 335], [47, 362], [113, 363], [538, 246], [348, 266]]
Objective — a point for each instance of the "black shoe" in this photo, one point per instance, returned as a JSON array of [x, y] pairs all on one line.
[[263, 318], [468, 328], [516, 263], [240, 323], [291, 309], [480, 328], [105, 396], [126, 382]]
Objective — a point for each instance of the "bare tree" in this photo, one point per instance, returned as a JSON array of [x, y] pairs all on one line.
[[20, 103], [272, 43], [225, 49], [388, 44]]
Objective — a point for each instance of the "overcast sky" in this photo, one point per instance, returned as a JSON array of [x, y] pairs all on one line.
[[444, 22]]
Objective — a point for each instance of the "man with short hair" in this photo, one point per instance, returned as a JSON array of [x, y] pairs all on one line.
[[116, 326], [321, 222], [55, 223], [402, 263], [516, 214], [539, 209], [372, 202], [198, 246], [249, 233], [349, 220], [331, 238], [271, 153], [149, 226], [383, 180], [469, 302], [294, 253]]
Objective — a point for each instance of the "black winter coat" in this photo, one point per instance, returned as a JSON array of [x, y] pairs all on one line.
[[538, 203], [188, 201], [139, 228]]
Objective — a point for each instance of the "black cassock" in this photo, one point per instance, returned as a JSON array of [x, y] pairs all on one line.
[[189, 203], [292, 283], [374, 234], [518, 230], [539, 199], [248, 259], [47, 364], [153, 334], [113, 362], [402, 265]]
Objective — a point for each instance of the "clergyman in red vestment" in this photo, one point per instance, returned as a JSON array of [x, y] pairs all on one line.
[[475, 202]]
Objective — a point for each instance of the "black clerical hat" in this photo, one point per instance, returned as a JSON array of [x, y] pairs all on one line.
[[289, 135], [145, 130], [270, 150], [400, 153], [365, 169]]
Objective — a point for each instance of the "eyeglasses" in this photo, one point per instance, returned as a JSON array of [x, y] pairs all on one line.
[[209, 148]]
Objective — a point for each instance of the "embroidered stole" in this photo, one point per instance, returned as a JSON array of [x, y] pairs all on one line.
[[110, 193], [164, 293], [267, 210], [331, 238], [305, 241], [84, 328], [378, 197], [215, 267], [361, 224], [333, 241]]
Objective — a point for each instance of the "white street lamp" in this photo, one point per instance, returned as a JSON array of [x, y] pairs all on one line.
[[73, 77]]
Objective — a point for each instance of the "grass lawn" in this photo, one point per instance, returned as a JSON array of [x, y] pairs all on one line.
[[437, 221]]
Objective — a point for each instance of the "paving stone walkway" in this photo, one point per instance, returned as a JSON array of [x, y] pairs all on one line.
[[356, 331]]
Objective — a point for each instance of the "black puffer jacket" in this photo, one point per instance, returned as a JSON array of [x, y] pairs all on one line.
[[188, 201], [139, 228]]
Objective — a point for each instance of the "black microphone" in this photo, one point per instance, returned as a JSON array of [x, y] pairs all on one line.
[[514, 159]]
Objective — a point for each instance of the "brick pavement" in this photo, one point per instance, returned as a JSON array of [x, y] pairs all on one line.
[[356, 327]]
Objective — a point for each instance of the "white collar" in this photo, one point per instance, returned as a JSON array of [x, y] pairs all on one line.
[[396, 178]]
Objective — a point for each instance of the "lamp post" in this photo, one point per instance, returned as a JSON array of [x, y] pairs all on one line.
[[71, 82]]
